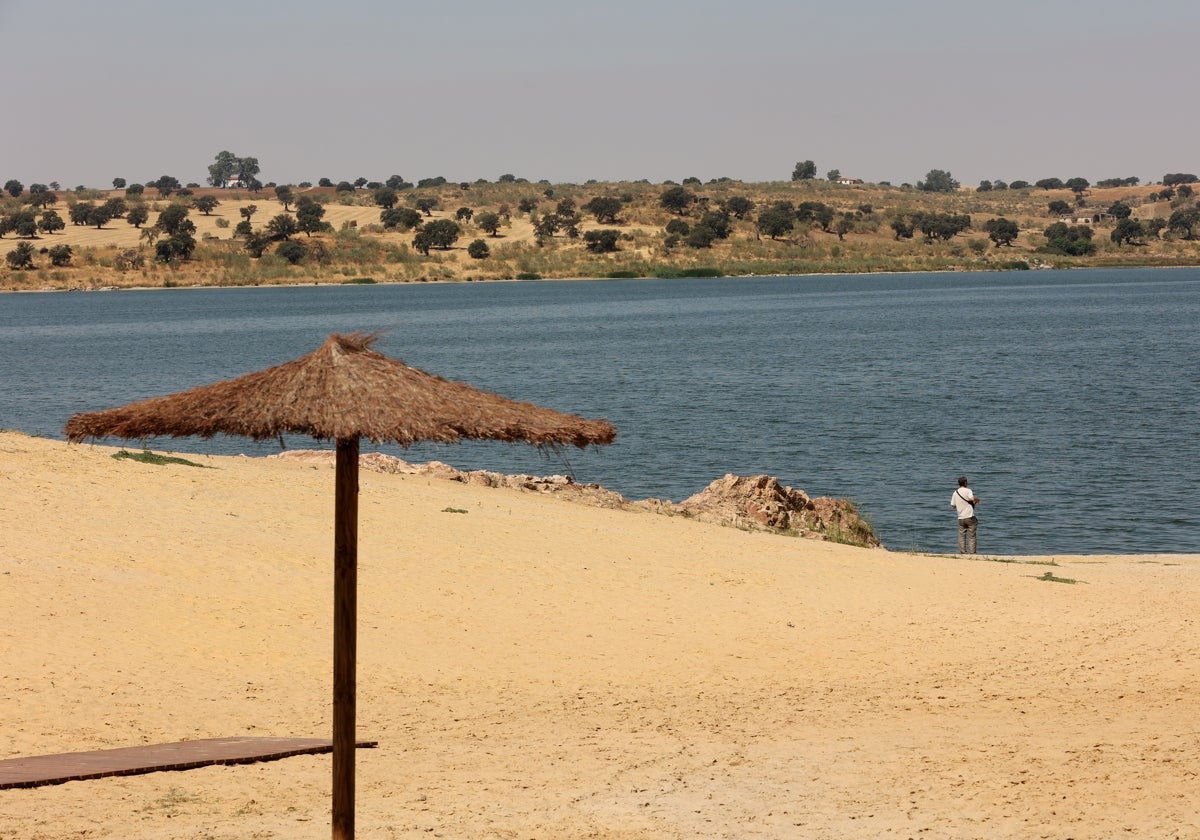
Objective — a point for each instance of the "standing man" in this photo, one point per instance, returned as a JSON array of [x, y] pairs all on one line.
[[964, 501]]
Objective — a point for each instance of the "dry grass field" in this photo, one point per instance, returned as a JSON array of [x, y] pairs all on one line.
[[357, 248]]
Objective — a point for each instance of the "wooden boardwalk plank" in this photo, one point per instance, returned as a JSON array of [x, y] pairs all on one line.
[[128, 761]]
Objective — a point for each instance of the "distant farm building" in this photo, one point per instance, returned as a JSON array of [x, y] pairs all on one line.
[[1094, 219], [849, 181]]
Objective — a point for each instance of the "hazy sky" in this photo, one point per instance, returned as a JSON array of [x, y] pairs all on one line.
[[619, 90]]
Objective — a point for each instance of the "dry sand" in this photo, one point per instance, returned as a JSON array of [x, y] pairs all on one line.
[[538, 669]]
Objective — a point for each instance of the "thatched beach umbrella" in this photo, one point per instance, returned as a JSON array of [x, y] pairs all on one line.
[[342, 392]]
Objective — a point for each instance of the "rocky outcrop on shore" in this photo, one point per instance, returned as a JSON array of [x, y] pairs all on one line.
[[760, 502], [756, 503]]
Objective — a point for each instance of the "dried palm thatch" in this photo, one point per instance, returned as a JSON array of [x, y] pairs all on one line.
[[342, 390]]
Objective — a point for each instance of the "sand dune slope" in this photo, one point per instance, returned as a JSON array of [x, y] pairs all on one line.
[[538, 669]]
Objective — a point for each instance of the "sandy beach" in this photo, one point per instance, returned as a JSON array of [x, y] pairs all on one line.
[[538, 669]]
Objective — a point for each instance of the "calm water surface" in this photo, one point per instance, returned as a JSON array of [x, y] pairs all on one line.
[[1071, 399]]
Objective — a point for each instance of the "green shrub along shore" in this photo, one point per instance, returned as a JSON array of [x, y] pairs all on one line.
[[368, 232]]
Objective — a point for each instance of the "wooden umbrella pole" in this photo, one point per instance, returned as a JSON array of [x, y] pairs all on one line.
[[345, 621]]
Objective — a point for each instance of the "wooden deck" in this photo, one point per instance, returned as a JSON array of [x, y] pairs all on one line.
[[130, 761]]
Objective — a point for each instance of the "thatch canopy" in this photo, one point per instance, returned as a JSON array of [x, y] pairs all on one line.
[[343, 390]]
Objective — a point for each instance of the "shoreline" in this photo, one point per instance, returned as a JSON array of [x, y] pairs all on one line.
[[479, 280]]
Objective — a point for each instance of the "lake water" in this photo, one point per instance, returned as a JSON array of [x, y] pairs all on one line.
[[1071, 399]]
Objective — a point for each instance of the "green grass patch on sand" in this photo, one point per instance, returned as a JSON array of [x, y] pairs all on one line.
[[148, 457], [1053, 578]]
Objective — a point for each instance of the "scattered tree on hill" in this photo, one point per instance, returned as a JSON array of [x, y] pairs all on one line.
[[118, 183], [1077, 185], [386, 197], [738, 205], [713, 225], [1059, 208], [137, 215], [283, 227], [602, 241], [464, 214], [165, 184], [903, 227], [360, 182], [426, 205], [805, 170], [833, 174], [174, 220], [845, 224], [488, 222], [1049, 184], [60, 255], [14, 188], [80, 211], [1074, 240], [24, 224], [285, 196], [938, 180], [547, 226], [176, 248], [984, 186], [527, 205], [777, 221], [397, 183], [134, 189], [442, 233], [1119, 182], [50, 222], [1176, 178], [292, 251], [1128, 232], [1185, 222], [677, 199], [205, 204], [426, 183], [100, 216], [810, 212], [1120, 210], [21, 257], [257, 242], [116, 207], [604, 208], [479, 250], [1019, 185], [1001, 231], [402, 218], [41, 196], [180, 242], [944, 226], [344, 187], [221, 172], [310, 216]]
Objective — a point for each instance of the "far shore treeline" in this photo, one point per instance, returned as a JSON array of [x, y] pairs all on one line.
[[237, 230]]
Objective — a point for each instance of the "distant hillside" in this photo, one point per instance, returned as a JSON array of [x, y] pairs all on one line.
[[555, 231]]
